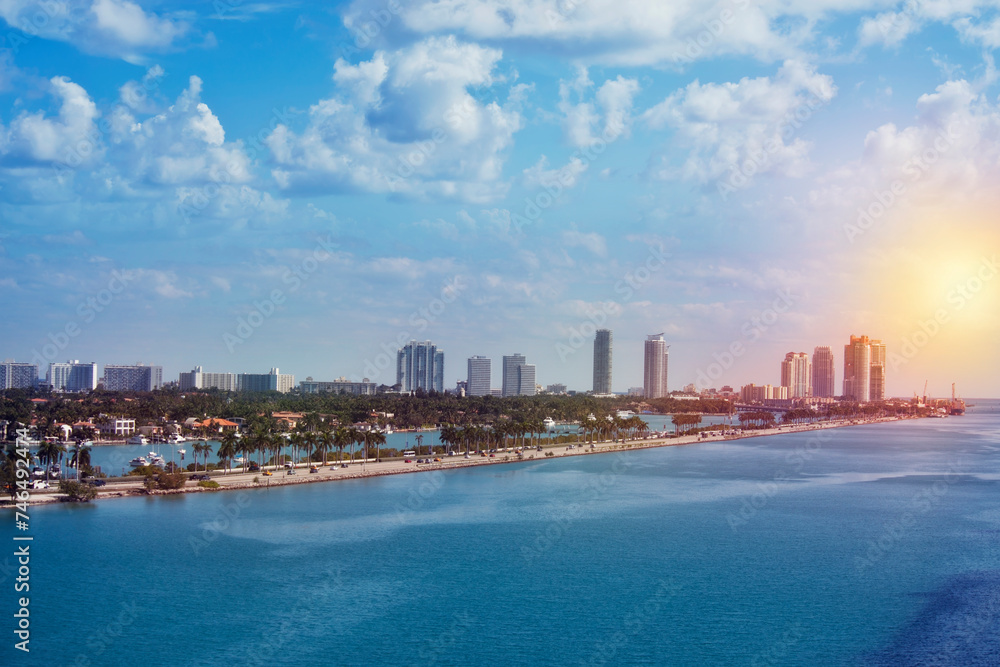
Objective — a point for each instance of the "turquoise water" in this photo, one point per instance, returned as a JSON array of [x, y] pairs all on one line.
[[868, 545]]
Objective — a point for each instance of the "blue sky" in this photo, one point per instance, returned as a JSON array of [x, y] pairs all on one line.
[[502, 176]]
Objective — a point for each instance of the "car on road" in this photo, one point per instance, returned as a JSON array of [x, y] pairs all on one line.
[[291, 471], [37, 484], [253, 467], [407, 460], [437, 459], [200, 476], [313, 469], [268, 473]]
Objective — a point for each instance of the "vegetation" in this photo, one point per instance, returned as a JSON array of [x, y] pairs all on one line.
[[166, 481], [77, 492], [208, 484]]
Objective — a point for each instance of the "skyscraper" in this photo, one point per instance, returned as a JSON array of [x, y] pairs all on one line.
[[602, 361], [796, 374], [420, 366], [654, 367], [857, 369], [478, 383], [72, 376], [132, 378], [18, 375], [876, 382], [518, 376], [822, 373]]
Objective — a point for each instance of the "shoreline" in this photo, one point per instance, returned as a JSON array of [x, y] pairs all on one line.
[[237, 480]]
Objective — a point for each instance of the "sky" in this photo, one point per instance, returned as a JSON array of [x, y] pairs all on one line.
[[248, 185]]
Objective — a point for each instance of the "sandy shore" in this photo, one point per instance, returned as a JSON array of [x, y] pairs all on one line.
[[125, 487]]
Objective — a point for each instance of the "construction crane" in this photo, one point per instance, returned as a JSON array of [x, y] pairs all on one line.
[[925, 391]]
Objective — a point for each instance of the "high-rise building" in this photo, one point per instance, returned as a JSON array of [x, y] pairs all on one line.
[[478, 382], [823, 384], [857, 369], [132, 378], [420, 366], [876, 381], [518, 376], [198, 379], [339, 386], [654, 367], [602, 361], [273, 381], [72, 376], [796, 374], [17, 375]]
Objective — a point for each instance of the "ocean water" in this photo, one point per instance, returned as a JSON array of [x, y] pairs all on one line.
[[866, 545]]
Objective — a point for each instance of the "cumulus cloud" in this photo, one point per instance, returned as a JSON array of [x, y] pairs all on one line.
[[608, 116], [592, 241], [34, 138], [539, 175], [114, 28], [404, 122], [724, 125]]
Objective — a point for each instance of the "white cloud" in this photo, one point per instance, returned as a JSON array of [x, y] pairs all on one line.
[[724, 125], [115, 28], [566, 176], [37, 138], [612, 104], [592, 241], [404, 123]]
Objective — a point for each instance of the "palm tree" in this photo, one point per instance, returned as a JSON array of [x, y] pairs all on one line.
[[420, 442], [228, 447], [80, 458], [47, 453], [297, 440], [340, 439], [206, 450]]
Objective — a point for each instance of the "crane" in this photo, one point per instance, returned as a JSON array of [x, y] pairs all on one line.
[[925, 391]]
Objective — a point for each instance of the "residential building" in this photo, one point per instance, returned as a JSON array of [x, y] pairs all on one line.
[[132, 378], [198, 379], [339, 386], [796, 375], [557, 388], [518, 376], [602, 361], [72, 376], [118, 426], [823, 385], [876, 380], [864, 369], [478, 382], [655, 366], [273, 381], [17, 375], [420, 366]]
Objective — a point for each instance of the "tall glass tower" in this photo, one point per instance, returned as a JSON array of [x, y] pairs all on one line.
[[602, 362]]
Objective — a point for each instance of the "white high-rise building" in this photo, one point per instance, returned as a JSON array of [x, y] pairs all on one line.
[[876, 380], [478, 382], [420, 366], [72, 376], [796, 374], [198, 379], [602, 361], [16, 375], [655, 366], [132, 378], [857, 369], [823, 384], [518, 376]]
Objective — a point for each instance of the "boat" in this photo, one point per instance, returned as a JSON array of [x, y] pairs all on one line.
[[156, 460], [174, 439], [138, 462], [137, 440], [549, 423]]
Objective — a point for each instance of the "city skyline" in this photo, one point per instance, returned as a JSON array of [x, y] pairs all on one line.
[[169, 190]]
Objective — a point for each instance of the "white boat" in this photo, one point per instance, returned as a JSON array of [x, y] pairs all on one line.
[[156, 460], [137, 440], [138, 462], [550, 423], [174, 439]]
